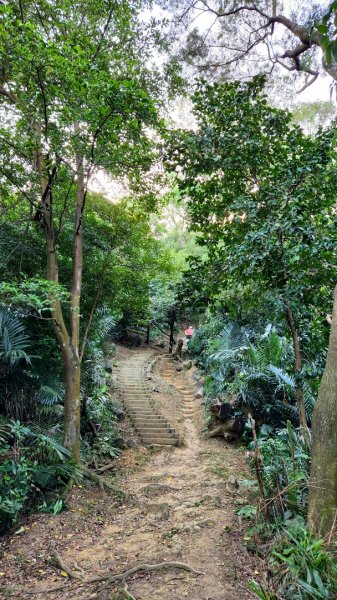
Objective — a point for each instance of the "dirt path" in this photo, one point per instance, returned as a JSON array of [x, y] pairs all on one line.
[[181, 508]]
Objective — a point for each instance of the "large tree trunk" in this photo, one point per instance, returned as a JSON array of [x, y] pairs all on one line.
[[298, 368], [323, 478]]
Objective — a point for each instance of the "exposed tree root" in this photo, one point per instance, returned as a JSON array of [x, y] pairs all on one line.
[[109, 579], [107, 467], [103, 484], [123, 594]]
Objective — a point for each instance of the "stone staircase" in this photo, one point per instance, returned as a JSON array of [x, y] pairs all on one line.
[[187, 394], [152, 428]]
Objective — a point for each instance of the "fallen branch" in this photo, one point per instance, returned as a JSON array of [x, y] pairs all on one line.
[[63, 567]]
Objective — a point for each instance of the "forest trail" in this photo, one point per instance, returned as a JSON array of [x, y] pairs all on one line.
[[180, 508]]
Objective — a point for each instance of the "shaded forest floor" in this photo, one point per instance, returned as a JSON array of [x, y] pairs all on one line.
[[180, 508]]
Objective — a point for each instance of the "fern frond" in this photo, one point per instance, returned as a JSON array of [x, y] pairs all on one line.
[[282, 376], [13, 338]]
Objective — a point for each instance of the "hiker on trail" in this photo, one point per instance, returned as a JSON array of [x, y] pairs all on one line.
[[189, 332]]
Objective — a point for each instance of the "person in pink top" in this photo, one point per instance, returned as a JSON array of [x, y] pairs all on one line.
[[189, 332]]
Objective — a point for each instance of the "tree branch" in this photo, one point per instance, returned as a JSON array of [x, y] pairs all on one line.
[[91, 316]]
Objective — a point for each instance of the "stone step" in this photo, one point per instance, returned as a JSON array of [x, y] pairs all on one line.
[[154, 432], [136, 391], [158, 426], [144, 412], [137, 385], [139, 403], [150, 425], [136, 396], [161, 441], [140, 415], [148, 410], [139, 422], [145, 424]]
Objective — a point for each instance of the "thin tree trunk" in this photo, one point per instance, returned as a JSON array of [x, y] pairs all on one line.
[[298, 369], [92, 313], [72, 403], [70, 352], [323, 477], [68, 341], [172, 322], [77, 258]]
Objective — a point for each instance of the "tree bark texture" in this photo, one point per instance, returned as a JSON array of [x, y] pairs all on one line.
[[323, 477], [72, 403]]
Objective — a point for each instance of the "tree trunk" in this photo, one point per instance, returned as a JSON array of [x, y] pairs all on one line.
[[71, 351], [298, 368], [323, 478], [68, 340], [172, 322], [72, 403]]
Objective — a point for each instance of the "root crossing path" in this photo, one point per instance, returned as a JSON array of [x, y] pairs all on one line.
[[180, 509]]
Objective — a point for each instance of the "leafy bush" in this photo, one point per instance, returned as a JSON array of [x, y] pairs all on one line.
[[254, 369], [302, 569], [285, 472], [32, 464], [308, 570], [311, 569], [28, 389], [99, 411]]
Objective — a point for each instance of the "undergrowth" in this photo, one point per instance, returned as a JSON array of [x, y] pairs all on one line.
[[252, 369], [34, 466]]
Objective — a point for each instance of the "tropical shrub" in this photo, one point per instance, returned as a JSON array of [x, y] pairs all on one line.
[[99, 411], [254, 369], [301, 568], [33, 464], [29, 386]]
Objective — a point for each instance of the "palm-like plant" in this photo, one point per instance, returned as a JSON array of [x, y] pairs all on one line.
[[26, 390], [258, 374], [14, 340], [34, 464]]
